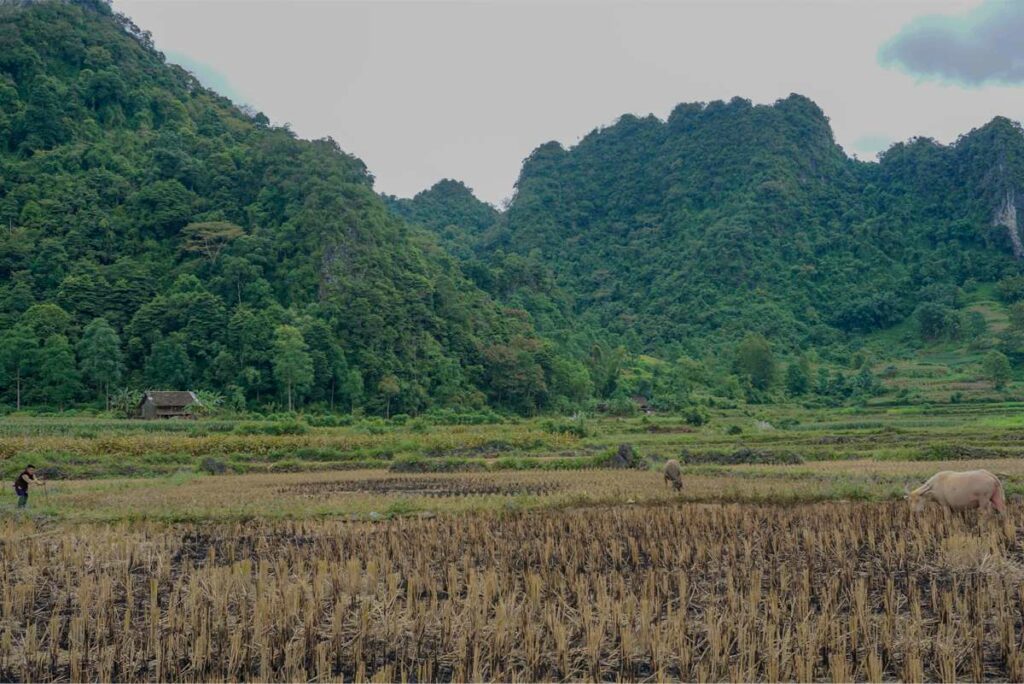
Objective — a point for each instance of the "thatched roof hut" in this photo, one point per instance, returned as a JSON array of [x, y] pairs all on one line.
[[173, 404]]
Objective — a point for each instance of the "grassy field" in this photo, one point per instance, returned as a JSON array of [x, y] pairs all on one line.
[[270, 550], [108, 470]]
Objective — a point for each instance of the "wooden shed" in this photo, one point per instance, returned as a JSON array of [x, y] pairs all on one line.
[[166, 405], [643, 404]]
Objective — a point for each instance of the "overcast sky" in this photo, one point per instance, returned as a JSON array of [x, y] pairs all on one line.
[[422, 91]]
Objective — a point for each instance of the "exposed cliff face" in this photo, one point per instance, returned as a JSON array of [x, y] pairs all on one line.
[[1006, 216]]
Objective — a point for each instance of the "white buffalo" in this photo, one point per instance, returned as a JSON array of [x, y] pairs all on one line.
[[960, 491]]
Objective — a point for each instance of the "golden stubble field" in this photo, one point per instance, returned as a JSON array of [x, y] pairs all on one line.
[[829, 591]]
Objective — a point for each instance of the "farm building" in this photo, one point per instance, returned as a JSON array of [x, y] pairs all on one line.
[[643, 404], [167, 405]]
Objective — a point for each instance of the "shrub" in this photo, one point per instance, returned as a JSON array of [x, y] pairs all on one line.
[[742, 456], [696, 416], [52, 472], [622, 406], [330, 420], [622, 457], [451, 417], [418, 464], [575, 426], [282, 427]]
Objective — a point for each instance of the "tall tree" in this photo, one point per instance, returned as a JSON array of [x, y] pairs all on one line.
[[756, 362], [605, 366], [19, 351], [209, 238], [293, 366], [46, 319], [168, 366], [390, 388], [797, 379], [99, 357], [58, 377], [996, 368]]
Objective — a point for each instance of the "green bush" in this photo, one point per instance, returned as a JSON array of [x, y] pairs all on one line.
[[622, 406], [453, 417], [283, 427], [286, 466], [573, 426], [418, 464], [742, 456], [330, 420], [696, 416]]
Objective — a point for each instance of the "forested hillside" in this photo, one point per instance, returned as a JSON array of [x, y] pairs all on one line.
[[154, 235], [683, 236]]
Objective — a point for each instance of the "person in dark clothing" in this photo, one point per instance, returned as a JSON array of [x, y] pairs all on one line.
[[21, 484]]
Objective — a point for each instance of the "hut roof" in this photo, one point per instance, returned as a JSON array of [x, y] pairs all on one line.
[[171, 398]]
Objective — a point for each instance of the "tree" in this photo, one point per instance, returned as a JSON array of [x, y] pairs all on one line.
[[1011, 289], [46, 319], [996, 368], [209, 238], [390, 388], [168, 366], [975, 325], [570, 379], [58, 377], [797, 380], [1015, 312], [514, 376], [605, 366], [755, 361], [938, 322], [99, 356], [864, 382], [293, 367], [18, 353], [125, 401]]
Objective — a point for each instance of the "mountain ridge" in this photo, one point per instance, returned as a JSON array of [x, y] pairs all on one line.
[[202, 236], [747, 198]]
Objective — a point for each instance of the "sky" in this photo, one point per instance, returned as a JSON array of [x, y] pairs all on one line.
[[423, 90]]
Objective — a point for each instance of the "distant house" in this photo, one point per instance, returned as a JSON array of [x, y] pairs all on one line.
[[166, 405], [643, 404]]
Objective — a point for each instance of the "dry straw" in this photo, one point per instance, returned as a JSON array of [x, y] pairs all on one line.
[[829, 591]]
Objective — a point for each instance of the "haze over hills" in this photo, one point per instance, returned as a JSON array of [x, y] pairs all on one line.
[[678, 236]]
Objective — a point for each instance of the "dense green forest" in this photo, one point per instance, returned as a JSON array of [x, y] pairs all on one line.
[[728, 218], [728, 221], [152, 234]]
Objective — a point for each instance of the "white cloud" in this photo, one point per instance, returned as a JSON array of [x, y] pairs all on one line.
[[467, 90]]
